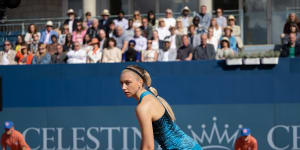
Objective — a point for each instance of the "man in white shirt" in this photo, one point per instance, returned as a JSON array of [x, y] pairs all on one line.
[[121, 21], [141, 42], [162, 30], [8, 56], [169, 20], [186, 19], [76, 56], [221, 20], [167, 54], [94, 55]]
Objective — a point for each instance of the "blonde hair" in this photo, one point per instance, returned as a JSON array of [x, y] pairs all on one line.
[[142, 73]]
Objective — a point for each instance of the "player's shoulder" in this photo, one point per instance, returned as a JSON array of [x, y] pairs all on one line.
[[253, 139]]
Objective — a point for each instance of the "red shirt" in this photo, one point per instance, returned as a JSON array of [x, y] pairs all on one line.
[[241, 144], [15, 141]]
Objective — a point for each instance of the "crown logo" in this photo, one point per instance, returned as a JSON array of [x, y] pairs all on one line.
[[215, 134]]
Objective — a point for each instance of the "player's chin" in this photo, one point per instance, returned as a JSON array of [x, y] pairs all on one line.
[[128, 94]]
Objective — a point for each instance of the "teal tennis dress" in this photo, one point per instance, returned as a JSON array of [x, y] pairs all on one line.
[[168, 134]]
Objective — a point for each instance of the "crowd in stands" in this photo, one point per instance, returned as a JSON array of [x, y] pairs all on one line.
[[138, 39]]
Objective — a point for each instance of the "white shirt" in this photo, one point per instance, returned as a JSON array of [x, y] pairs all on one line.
[[5, 60], [141, 43], [122, 23], [165, 56], [71, 26], [163, 32], [47, 37], [76, 57], [218, 32], [214, 41], [186, 21], [94, 57], [170, 22], [155, 45], [173, 42]]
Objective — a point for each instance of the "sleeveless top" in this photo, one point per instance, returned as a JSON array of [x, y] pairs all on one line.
[[168, 134]]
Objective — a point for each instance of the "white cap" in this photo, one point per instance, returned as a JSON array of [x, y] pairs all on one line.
[[49, 23], [167, 39], [70, 11], [186, 8], [105, 12]]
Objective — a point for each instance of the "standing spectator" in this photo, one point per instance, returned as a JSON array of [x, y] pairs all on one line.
[[92, 31], [218, 31], [105, 21], [232, 39], [88, 21], [211, 39], [29, 35], [151, 18], [110, 32], [71, 21], [19, 42], [130, 29], [121, 39], [246, 141], [291, 19], [162, 31], [8, 56], [175, 39], [146, 29], [293, 29], [141, 42], [46, 35], [79, 33], [292, 49], [180, 29], [167, 54], [12, 138], [196, 23], [225, 49], [34, 44], [52, 48], [76, 56], [185, 52], [94, 55], [121, 21], [155, 41], [204, 18], [111, 54], [169, 19], [69, 43], [60, 56], [137, 19], [149, 55], [194, 38], [236, 30], [204, 51], [221, 20], [131, 55], [24, 56], [62, 36], [185, 17], [102, 39], [42, 57]]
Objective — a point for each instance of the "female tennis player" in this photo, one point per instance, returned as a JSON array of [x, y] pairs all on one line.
[[154, 114]]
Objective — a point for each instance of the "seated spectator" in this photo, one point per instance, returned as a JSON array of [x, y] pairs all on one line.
[[292, 19], [105, 21], [130, 30], [149, 55], [221, 20], [180, 29], [185, 52], [19, 42], [137, 19], [34, 46], [246, 141], [24, 56], [111, 54], [76, 56], [93, 30], [131, 55], [146, 28], [60, 56], [218, 31], [211, 39], [162, 31], [204, 51], [194, 38], [86, 43], [225, 50], [155, 41], [292, 49], [293, 29], [94, 55], [69, 43], [169, 19], [71, 21], [111, 30], [204, 19], [236, 31], [121, 21], [88, 21], [141, 42], [29, 35], [198, 27], [46, 35], [42, 57], [62, 36], [232, 39], [175, 39], [121, 39], [79, 33], [185, 17], [151, 18], [167, 54], [52, 48], [8, 55], [102, 39]]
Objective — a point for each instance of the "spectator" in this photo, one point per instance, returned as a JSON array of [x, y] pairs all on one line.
[[292, 19], [162, 30], [19, 42], [146, 28], [151, 18], [185, 52], [76, 56], [111, 31], [225, 50], [34, 44], [121, 21], [169, 19], [29, 35], [130, 29], [8, 56], [167, 54], [204, 51], [88, 21], [42, 57], [60, 56], [186, 19], [69, 43], [246, 141], [62, 36], [121, 39], [204, 18], [194, 38], [52, 48], [221, 20], [94, 55], [293, 29], [175, 39], [137, 19], [131, 55], [232, 39], [141, 42], [292, 49], [105, 21], [180, 29], [211, 39], [46, 35], [155, 41], [92, 31], [218, 31], [12, 138], [236, 31], [196, 23], [102, 39], [86, 43], [111, 54], [149, 55], [79, 33], [71, 21]]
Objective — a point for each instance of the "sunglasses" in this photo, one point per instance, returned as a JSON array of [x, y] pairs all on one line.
[[6, 44]]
